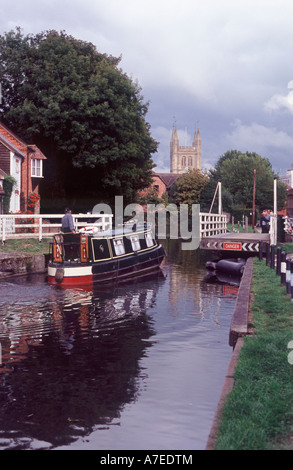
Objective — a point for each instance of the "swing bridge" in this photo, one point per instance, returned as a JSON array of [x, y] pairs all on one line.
[[215, 236]]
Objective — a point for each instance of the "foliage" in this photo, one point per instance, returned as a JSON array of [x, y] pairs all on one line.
[[150, 197], [190, 186], [207, 196], [236, 171], [85, 114], [8, 184]]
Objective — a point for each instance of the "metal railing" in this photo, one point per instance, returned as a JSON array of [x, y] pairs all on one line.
[[44, 225]]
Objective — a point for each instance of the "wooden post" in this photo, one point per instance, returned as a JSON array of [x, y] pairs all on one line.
[[278, 269]]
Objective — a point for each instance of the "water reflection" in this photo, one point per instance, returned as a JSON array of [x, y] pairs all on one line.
[[73, 361], [87, 367]]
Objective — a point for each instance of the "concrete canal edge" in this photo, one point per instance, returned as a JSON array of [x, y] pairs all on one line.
[[238, 329], [15, 264]]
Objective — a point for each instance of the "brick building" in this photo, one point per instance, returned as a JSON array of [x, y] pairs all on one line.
[[163, 182], [25, 164]]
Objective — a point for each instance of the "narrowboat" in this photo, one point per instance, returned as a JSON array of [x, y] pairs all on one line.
[[111, 256]]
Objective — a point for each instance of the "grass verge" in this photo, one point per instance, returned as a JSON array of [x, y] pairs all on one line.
[[28, 245], [258, 413]]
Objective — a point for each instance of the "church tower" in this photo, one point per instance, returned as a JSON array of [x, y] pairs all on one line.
[[183, 158]]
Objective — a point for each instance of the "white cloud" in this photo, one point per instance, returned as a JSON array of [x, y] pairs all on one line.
[[259, 138], [279, 102]]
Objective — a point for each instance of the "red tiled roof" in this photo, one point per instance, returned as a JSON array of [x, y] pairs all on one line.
[[37, 152], [12, 138], [9, 137]]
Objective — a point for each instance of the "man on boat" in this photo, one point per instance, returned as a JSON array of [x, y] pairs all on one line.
[[70, 243], [67, 222]]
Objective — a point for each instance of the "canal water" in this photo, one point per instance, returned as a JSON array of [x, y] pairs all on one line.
[[138, 366]]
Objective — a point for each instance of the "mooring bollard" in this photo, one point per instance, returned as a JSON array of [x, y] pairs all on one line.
[[272, 262], [260, 250], [267, 253], [279, 254], [291, 280], [288, 277], [283, 267]]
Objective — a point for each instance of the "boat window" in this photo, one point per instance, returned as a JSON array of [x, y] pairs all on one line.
[[119, 246], [135, 242], [149, 239], [100, 249]]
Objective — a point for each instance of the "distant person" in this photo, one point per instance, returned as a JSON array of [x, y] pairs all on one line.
[[265, 222]]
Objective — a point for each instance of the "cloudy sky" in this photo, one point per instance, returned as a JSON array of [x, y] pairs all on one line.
[[224, 67]]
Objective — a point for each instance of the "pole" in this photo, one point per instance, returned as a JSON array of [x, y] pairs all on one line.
[[214, 198], [275, 196], [274, 222], [220, 197], [253, 200]]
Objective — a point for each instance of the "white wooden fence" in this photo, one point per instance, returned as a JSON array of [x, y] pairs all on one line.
[[212, 224], [44, 225]]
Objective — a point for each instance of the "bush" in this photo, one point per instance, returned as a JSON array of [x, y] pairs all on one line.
[[8, 184]]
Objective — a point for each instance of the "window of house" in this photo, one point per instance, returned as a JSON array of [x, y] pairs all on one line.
[[37, 168], [119, 246]]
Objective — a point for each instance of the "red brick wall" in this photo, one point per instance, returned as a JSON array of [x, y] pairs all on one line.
[[160, 185]]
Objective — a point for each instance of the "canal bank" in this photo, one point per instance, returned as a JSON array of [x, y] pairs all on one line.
[[13, 264], [255, 408]]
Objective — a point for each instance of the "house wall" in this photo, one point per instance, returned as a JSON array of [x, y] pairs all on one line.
[[18, 165], [15, 172], [159, 185]]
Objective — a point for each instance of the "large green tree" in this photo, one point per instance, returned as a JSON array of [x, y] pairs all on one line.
[[87, 116], [236, 171]]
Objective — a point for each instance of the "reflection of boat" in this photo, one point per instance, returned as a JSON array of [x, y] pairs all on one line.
[[108, 256]]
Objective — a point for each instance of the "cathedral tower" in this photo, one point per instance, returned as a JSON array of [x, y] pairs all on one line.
[[183, 157]]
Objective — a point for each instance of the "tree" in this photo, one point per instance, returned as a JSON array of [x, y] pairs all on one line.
[[190, 186], [207, 196], [86, 115], [236, 171]]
